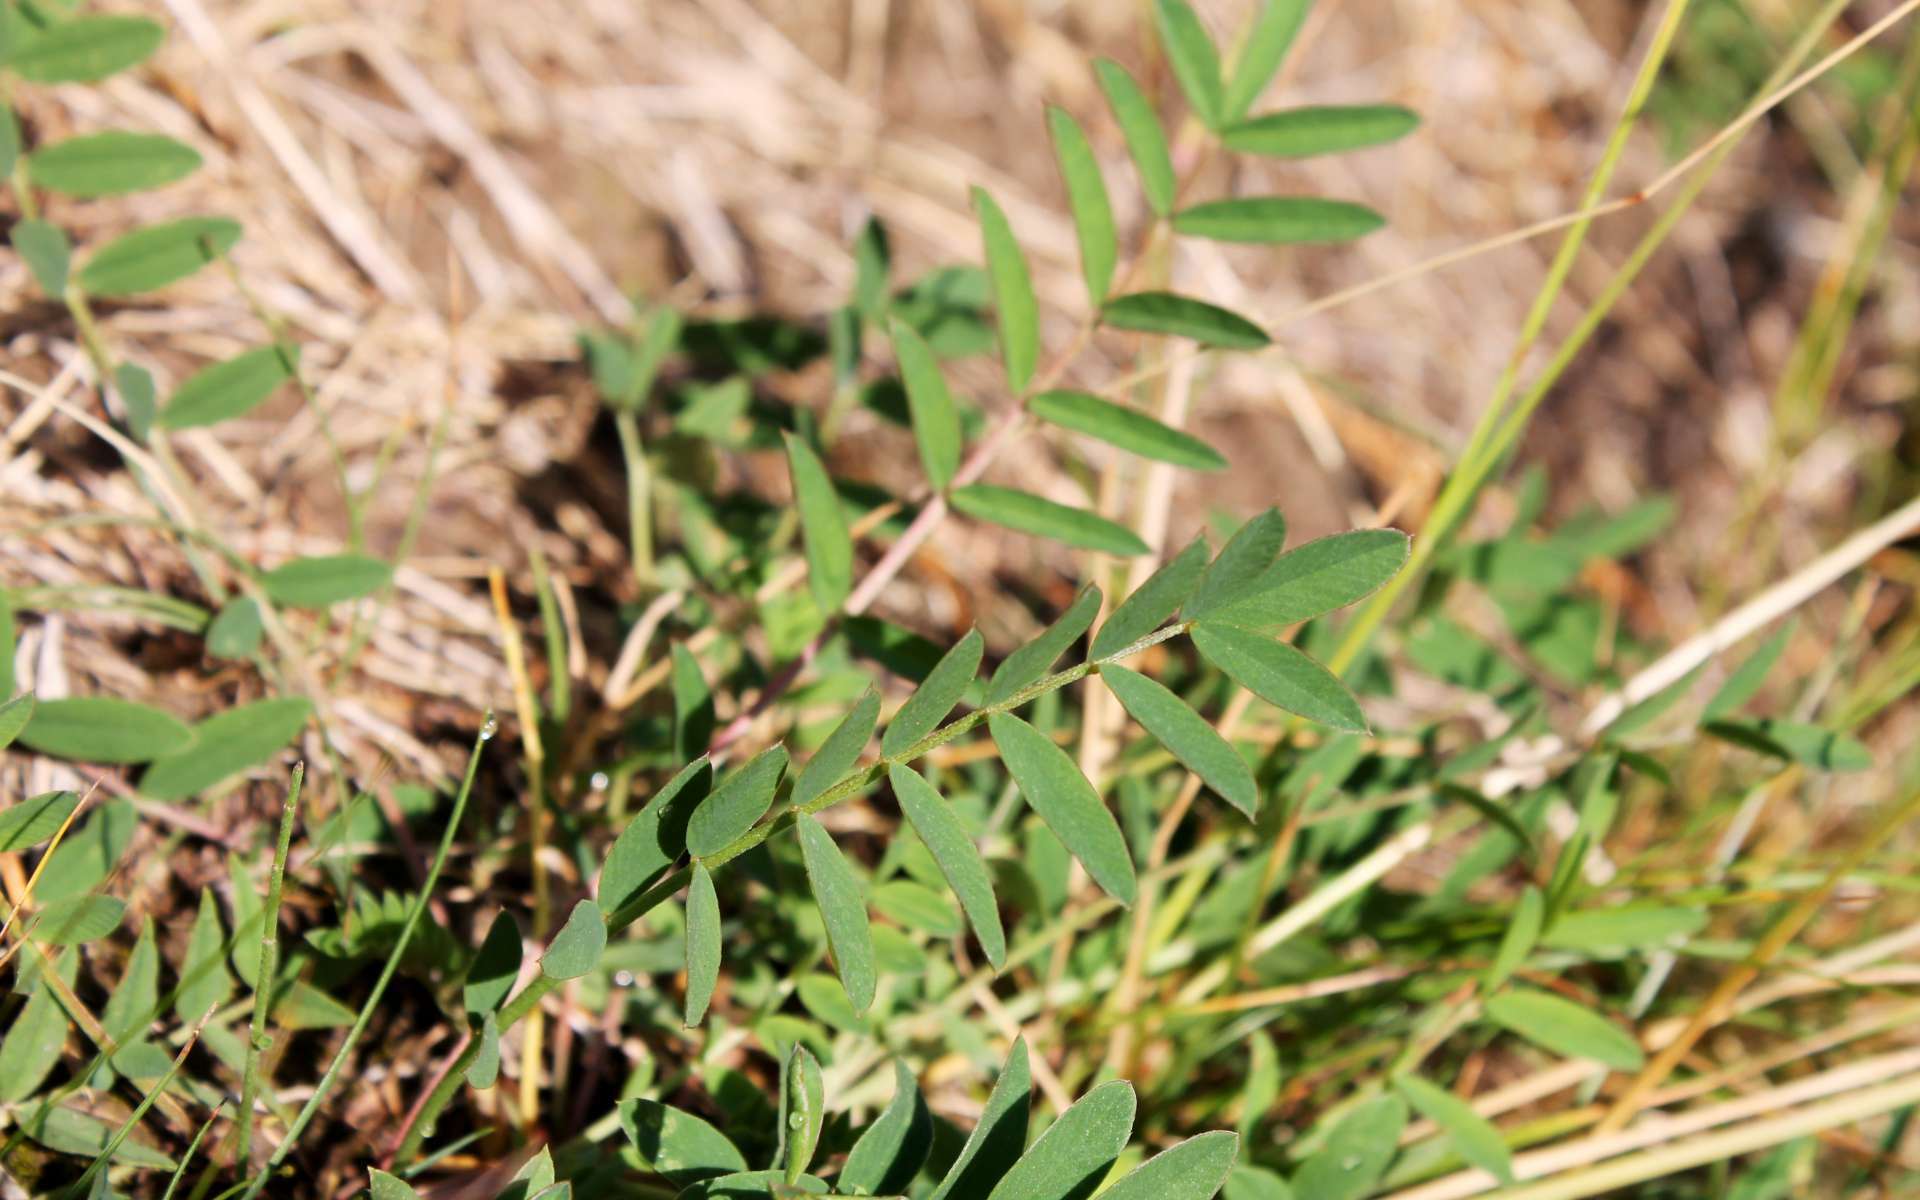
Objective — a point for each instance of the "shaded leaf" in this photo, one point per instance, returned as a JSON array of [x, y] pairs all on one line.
[[75, 1133], [692, 704], [104, 729], [1236, 571], [1471, 1134], [1794, 741], [803, 1112], [1330, 129], [936, 423], [1031, 661], [1280, 675], [1522, 934], [1033, 514], [1744, 683], [575, 950], [1056, 789], [14, 715], [1260, 57], [677, 1144], [742, 799], [88, 854], [1013, 300], [959, 859], [1150, 604], [111, 163], [32, 821], [843, 909], [229, 389], [1087, 201], [30, 1047], [840, 753], [655, 839], [130, 1006], [889, 1153], [1625, 927], [1140, 126], [1355, 1155], [1278, 220], [917, 906], [1073, 1156], [484, 1071], [203, 983], [1565, 1028], [236, 630], [325, 580], [495, 966], [1187, 735], [383, 1186], [71, 920], [1127, 428], [1183, 316], [134, 385], [823, 527], [935, 697], [1196, 64], [43, 246], [157, 255], [703, 943], [84, 49], [1195, 1169], [1307, 581], [226, 744], [998, 1138]]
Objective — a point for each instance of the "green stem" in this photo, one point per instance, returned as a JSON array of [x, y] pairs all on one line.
[[269, 964]]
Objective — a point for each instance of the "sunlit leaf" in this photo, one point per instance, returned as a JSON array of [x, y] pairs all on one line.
[[1013, 300], [1303, 132], [677, 1144], [153, 257], [43, 246], [1127, 428], [1794, 741], [229, 389], [111, 163], [1349, 1164], [936, 695], [823, 527], [226, 744], [959, 859], [1565, 1028], [733, 807], [1195, 1169], [139, 399], [703, 943], [1471, 1134], [1624, 927], [326, 580], [75, 919], [1522, 934], [104, 729], [84, 49], [843, 909], [575, 950], [1196, 64], [1235, 572], [1319, 577], [1280, 675], [1087, 201], [1027, 664], [1277, 220], [1140, 126], [14, 715], [32, 821], [692, 704], [1055, 788], [1081, 1146], [1744, 683], [936, 423], [1184, 732], [1266, 46], [1150, 604], [1183, 316], [656, 838], [803, 1112], [383, 1186], [1033, 514]]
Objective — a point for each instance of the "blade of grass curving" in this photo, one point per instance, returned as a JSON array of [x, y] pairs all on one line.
[[263, 979], [180, 1171], [79, 1186]]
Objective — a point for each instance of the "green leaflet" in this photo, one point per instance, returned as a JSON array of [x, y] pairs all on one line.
[[1027, 664], [692, 705], [1029, 513], [89, 853], [936, 423], [843, 909], [1195, 1169], [959, 859], [1127, 428], [84, 49], [1278, 220], [1187, 735], [1140, 126], [872, 264], [1183, 316], [1260, 57], [1564, 1028], [203, 984], [103, 729], [803, 1112], [75, 1133], [1081, 1145], [1153, 601], [703, 944], [823, 527], [1280, 675], [1522, 934], [740, 801], [1196, 64], [917, 906], [1013, 300], [656, 838], [111, 163], [236, 630], [1307, 581], [1471, 1134], [134, 385], [999, 1138], [1744, 683], [325, 580], [30, 1047], [484, 1071], [1262, 1087], [1304, 132], [130, 1006], [34, 820], [1809, 745], [382, 1186], [495, 967], [840, 752], [1355, 1155], [936, 695], [43, 246], [678, 1145], [1056, 789], [1236, 572], [72, 920], [226, 744], [575, 950], [1625, 927], [153, 257], [826, 999], [889, 1154], [1087, 200], [229, 389]]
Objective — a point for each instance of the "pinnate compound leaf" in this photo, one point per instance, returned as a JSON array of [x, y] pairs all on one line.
[[1027, 664], [803, 1112], [1087, 201], [1195, 1169], [382, 1186], [1260, 58], [1522, 934], [1278, 220], [1187, 735], [575, 950], [703, 944], [677, 1144], [72, 920], [103, 729], [1319, 577], [1056, 789], [229, 389], [1744, 683], [1000, 1136], [889, 1154], [84, 49], [1153, 601], [1140, 126], [840, 752], [936, 422], [1236, 571], [959, 859], [153, 257], [823, 527], [843, 909], [1471, 1134], [936, 695], [1127, 428], [1196, 64], [226, 744], [1280, 675], [742, 799], [1183, 316], [14, 715], [1356, 1154], [1565, 1028], [1076, 1151], [34, 820], [1013, 300], [111, 163], [1304, 132], [43, 246], [325, 580], [1041, 517], [495, 967]]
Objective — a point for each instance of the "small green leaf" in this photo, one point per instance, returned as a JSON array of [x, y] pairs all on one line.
[[1522, 934], [495, 967], [75, 919], [1304, 132], [655, 839], [1033, 514], [1744, 683], [742, 799], [1471, 1134], [1079, 1147], [89, 853], [1000, 1136], [325, 580], [1196, 64], [30, 1047], [658, 340], [575, 950], [1794, 741], [959, 859], [138, 405], [1127, 428], [889, 1154], [204, 983], [1260, 57], [484, 1071], [383, 1186], [703, 944], [225, 745], [104, 730], [1013, 301], [1183, 316], [130, 1006], [840, 752], [1153, 601], [803, 1112], [1027, 664], [936, 423], [1307, 581], [1280, 675], [32, 821], [1356, 1153], [678, 1144], [84, 49], [1623, 928], [1195, 1169], [1140, 126], [1564, 1028], [843, 909], [692, 705], [111, 163], [1236, 571], [1278, 220], [917, 906], [229, 389], [43, 246], [872, 265], [1185, 733], [1087, 201], [236, 630], [14, 715], [75, 1133], [936, 695], [823, 527], [153, 257], [1057, 790]]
